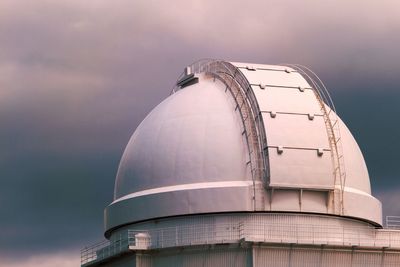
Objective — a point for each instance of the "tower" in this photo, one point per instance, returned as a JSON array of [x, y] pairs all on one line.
[[244, 165]]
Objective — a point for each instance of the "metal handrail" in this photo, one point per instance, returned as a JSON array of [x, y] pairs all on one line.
[[332, 123], [247, 105], [259, 163], [205, 234], [393, 222]]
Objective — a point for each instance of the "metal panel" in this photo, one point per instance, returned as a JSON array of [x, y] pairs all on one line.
[[212, 257], [391, 259], [182, 202], [270, 228], [194, 141], [365, 259], [299, 168], [296, 131], [306, 257], [193, 136], [334, 258], [289, 100], [301, 257], [356, 169], [243, 65], [275, 78], [286, 200], [189, 232], [273, 257], [129, 260], [360, 204], [317, 257], [314, 201]]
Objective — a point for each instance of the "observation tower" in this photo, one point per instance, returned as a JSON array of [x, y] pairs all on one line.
[[244, 165]]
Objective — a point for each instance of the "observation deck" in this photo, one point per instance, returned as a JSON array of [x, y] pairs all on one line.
[[310, 231]]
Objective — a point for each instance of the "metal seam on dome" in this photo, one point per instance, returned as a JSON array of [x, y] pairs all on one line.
[[292, 113], [231, 76], [282, 86]]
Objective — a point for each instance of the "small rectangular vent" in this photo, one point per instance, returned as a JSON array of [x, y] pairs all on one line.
[[187, 80]]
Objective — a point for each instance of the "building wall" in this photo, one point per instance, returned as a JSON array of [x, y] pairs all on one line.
[[264, 255], [204, 257], [248, 239], [288, 256], [125, 260]]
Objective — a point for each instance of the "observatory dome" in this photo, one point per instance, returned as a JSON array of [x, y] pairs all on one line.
[[238, 137]]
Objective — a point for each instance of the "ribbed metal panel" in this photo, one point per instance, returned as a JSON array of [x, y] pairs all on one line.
[[366, 259], [212, 257], [143, 260], [391, 259], [253, 220], [336, 258], [316, 257], [128, 260], [271, 257], [257, 254]]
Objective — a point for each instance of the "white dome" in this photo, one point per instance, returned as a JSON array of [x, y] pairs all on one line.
[[191, 137], [195, 153]]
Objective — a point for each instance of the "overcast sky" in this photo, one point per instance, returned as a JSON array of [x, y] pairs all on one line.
[[78, 76]]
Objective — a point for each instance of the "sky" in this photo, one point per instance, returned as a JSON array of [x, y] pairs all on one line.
[[78, 76]]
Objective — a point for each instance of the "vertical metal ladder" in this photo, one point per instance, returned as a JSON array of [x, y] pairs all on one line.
[[332, 123]]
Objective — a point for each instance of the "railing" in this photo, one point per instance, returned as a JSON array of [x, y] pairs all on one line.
[[332, 123], [247, 106], [393, 222], [105, 249], [181, 236]]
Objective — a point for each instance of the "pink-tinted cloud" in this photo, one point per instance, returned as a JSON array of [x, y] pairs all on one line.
[[61, 259], [76, 78]]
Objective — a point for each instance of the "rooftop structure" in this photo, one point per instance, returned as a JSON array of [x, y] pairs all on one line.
[[244, 165]]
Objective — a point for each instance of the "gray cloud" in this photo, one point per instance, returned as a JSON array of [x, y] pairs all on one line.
[[77, 77]]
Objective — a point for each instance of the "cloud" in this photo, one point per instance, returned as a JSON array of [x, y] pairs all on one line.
[[77, 77], [390, 199], [70, 259]]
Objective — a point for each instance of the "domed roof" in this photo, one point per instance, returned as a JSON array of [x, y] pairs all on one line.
[[242, 137], [192, 137]]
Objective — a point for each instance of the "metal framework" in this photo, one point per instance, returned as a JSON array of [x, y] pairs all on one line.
[[284, 236], [333, 130], [228, 233], [253, 125], [247, 106], [393, 222]]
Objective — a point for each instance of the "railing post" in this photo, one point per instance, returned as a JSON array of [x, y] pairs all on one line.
[[176, 235], [162, 238], [241, 235], [313, 234], [264, 233], [343, 235]]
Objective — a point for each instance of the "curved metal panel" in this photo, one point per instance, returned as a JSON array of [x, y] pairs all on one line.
[[296, 131], [301, 134], [275, 78], [193, 136], [300, 168], [210, 147], [295, 100], [174, 203]]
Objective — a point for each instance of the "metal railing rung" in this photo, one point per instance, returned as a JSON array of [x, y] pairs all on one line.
[[214, 233]]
